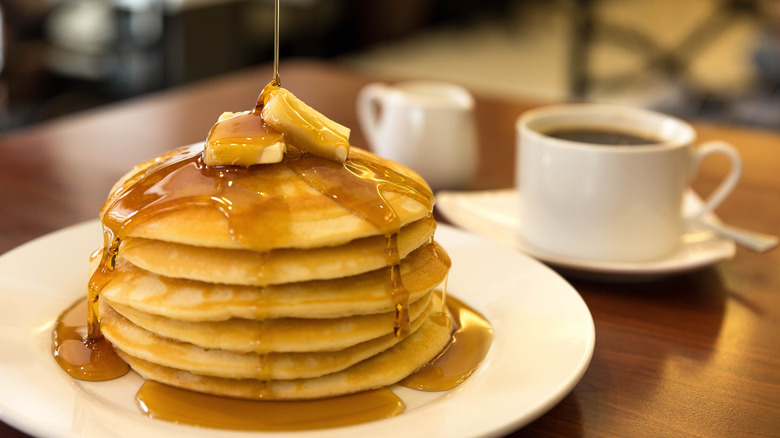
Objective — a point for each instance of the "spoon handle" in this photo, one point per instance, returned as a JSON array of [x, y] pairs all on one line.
[[752, 240]]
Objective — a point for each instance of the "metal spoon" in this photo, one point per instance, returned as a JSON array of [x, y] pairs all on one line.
[[752, 240]]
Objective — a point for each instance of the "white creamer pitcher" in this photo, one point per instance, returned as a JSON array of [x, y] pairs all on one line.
[[428, 126]]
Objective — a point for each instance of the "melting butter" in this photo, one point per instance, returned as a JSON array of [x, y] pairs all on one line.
[[243, 139], [261, 136]]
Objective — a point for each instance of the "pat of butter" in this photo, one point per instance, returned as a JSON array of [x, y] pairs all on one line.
[[304, 127], [261, 136], [226, 115], [243, 155], [243, 139]]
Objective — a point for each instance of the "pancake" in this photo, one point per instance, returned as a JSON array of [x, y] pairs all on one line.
[[421, 271], [380, 370], [140, 343], [252, 268], [283, 209], [272, 335]]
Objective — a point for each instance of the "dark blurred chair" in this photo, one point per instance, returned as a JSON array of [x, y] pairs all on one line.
[[757, 105], [671, 63]]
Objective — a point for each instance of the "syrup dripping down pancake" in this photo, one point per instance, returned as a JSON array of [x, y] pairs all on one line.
[[246, 267], [269, 208], [273, 335], [383, 369], [422, 270], [220, 362]]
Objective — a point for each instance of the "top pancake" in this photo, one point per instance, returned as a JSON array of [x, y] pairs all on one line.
[[175, 198]]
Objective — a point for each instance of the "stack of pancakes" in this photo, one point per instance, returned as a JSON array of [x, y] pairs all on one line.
[[291, 298]]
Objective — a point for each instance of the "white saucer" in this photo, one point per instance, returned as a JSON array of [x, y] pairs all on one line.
[[494, 215]]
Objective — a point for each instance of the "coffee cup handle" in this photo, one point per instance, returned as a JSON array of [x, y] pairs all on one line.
[[369, 102], [726, 186]]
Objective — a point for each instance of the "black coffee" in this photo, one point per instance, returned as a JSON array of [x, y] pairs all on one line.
[[601, 136]]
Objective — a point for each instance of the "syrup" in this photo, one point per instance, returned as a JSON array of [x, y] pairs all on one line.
[[276, 81], [81, 356], [470, 343], [359, 186], [165, 402], [244, 129]]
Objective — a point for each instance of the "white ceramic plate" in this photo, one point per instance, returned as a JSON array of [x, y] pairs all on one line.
[[544, 337], [495, 215]]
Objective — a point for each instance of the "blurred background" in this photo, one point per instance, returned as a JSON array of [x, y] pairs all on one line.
[[711, 59]]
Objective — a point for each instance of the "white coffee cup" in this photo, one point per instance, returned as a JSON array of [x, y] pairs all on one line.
[[426, 125], [615, 203]]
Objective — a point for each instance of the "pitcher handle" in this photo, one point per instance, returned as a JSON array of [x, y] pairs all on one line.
[[369, 103]]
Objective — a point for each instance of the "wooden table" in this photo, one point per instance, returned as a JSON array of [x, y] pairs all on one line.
[[693, 355]]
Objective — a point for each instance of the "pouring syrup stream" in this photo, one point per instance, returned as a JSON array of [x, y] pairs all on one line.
[[276, 81]]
